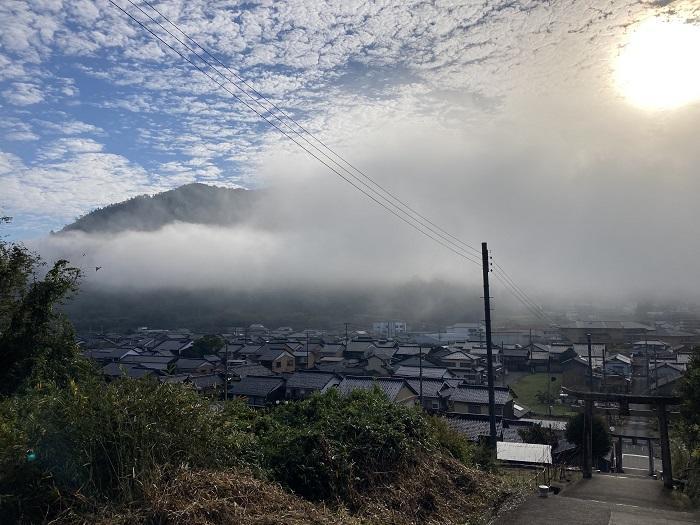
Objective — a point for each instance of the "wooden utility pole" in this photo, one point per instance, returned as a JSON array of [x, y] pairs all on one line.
[[485, 267], [420, 375], [226, 372], [588, 439], [590, 364]]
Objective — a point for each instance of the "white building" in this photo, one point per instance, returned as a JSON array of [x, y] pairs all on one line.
[[389, 328]]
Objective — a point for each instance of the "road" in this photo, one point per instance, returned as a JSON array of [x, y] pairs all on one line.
[[604, 500]]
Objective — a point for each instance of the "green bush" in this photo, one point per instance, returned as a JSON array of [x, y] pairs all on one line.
[[110, 440], [449, 440], [332, 447]]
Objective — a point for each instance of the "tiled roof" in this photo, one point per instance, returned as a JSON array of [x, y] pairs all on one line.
[[255, 386], [476, 394], [310, 380], [414, 371], [473, 427], [250, 370], [270, 354], [431, 387], [391, 386]]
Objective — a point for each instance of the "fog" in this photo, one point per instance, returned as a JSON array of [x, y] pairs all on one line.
[[577, 205]]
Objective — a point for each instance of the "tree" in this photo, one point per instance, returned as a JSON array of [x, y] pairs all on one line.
[[689, 390], [539, 435], [36, 342], [601, 436], [205, 345]]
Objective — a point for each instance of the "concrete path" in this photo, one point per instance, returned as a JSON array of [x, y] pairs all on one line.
[[604, 500]]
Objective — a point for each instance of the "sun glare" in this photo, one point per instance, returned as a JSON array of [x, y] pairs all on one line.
[[659, 67]]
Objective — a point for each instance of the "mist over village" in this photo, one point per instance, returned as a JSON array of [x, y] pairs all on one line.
[[357, 262]]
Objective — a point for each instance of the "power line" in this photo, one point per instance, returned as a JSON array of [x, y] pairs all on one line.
[[521, 292], [301, 127], [401, 207], [457, 251], [420, 224]]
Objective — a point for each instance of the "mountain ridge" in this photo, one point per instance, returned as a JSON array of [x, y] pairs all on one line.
[[195, 203]]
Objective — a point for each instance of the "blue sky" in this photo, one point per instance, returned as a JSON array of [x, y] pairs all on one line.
[[93, 111]]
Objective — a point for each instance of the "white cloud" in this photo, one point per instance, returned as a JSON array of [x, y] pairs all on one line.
[[23, 94]]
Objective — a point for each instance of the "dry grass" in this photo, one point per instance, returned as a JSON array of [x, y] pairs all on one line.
[[437, 491]]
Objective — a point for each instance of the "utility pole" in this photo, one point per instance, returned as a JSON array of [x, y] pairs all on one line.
[[226, 372], [307, 349], [549, 382], [346, 333], [485, 268], [420, 375], [604, 367], [590, 364]]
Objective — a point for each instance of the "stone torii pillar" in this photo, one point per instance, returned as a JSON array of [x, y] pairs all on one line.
[[665, 445]]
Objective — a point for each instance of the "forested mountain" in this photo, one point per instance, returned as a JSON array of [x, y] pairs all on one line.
[[193, 203]]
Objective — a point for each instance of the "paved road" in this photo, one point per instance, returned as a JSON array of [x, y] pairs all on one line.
[[604, 500]]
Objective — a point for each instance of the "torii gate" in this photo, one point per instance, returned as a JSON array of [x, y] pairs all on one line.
[[624, 401]]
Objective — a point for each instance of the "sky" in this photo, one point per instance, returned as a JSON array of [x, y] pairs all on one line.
[[552, 129]]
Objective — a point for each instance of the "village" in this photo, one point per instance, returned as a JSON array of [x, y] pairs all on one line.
[[444, 372]]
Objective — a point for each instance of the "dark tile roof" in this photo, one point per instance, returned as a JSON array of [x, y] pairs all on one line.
[[193, 364], [427, 372], [431, 387], [391, 386], [250, 370], [270, 354], [310, 380], [135, 359], [474, 427], [476, 394], [255, 386]]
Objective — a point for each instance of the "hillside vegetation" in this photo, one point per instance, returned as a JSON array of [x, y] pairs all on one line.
[[193, 203], [146, 452]]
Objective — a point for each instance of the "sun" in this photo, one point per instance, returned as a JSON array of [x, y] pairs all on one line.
[[659, 67]]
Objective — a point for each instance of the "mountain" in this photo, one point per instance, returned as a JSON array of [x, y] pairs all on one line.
[[193, 203]]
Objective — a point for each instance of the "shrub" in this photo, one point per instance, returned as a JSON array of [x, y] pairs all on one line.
[[108, 440], [334, 447], [451, 441]]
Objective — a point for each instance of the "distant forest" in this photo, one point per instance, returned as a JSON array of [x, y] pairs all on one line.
[[193, 203], [425, 305]]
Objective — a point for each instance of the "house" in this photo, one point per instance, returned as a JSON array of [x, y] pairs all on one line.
[[207, 383], [459, 360], [376, 366], [302, 384], [539, 361], [359, 348], [619, 364], [332, 350], [174, 346], [575, 375], [651, 346], [249, 370], [276, 358], [515, 359], [597, 350], [258, 391], [109, 355], [476, 428], [304, 359], [396, 389], [404, 351], [430, 389], [470, 399], [194, 366]]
